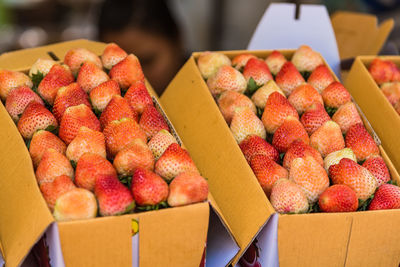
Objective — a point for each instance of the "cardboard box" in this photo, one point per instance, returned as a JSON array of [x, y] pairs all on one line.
[[339, 239]]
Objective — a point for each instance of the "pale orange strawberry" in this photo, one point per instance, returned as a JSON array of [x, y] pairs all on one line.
[[58, 76], [75, 57], [357, 177], [338, 198], [303, 97], [327, 139], [226, 78], [35, 117], [230, 100], [117, 109], [267, 172], [73, 119], [53, 164], [306, 59], [53, 190], [42, 66], [275, 61], [86, 141], [382, 71], [310, 176], [346, 116], [101, 95], [314, 117], [90, 76], [260, 97], [209, 63], [138, 97], [254, 145], [152, 121], [288, 78], [335, 95], [41, 141], [277, 109], [258, 70], [320, 78], [386, 197], [173, 162], [112, 55], [335, 157], [299, 149], [244, 123], [239, 61], [10, 80], [377, 166], [288, 197], [76, 204], [187, 188], [148, 188], [160, 142], [127, 71], [18, 99], [290, 130], [391, 91], [361, 142]]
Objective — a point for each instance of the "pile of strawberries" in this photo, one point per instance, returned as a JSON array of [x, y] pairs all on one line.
[[300, 132], [93, 150], [387, 75]]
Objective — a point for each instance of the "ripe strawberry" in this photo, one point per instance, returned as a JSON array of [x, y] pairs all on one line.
[[226, 78], [314, 117], [258, 70], [173, 162], [381, 71], [267, 172], [260, 97], [152, 121], [244, 123], [303, 97], [327, 139], [18, 99], [376, 165], [346, 116], [90, 76], [35, 117], [127, 71], [187, 188], [254, 145], [391, 91], [299, 149], [230, 100], [41, 141], [335, 157], [338, 198], [288, 78], [58, 76], [53, 164], [239, 61], [10, 80], [136, 155], [310, 176], [101, 95], [86, 141], [320, 78], [288, 197], [290, 130], [148, 188], [348, 172], [335, 95], [113, 197], [275, 61], [112, 55], [138, 97], [89, 167], [53, 190], [160, 142], [117, 109], [75, 57], [76, 204], [361, 142], [73, 119], [386, 197], [209, 63], [306, 59], [68, 96], [42, 66], [277, 109]]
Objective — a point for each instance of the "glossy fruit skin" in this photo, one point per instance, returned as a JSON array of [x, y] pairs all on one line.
[[361, 142], [102, 94], [52, 165], [91, 76], [338, 198], [209, 63], [335, 157], [299, 149], [75, 57], [10, 80], [239, 61], [226, 78], [86, 141], [290, 130], [346, 116], [148, 188], [230, 100], [306, 59], [53, 190], [260, 97], [328, 138], [117, 109], [288, 78], [288, 197], [151, 121], [127, 72], [377, 166], [138, 97], [160, 142], [275, 61], [258, 70], [187, 188], [303, 97], [335, 95], [314, 117], [41, 141], [386, 197], [245, 122], [254, 145], [18, 99], [320, 78], [112, 55]]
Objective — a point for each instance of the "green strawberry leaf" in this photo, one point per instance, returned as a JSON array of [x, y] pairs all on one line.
[[393, 182], [36, 79], [281, 155], [330, 110], [161, 205], [314, 208], [28, 143], [251, 87], [73, 164], [305, 74], [125, 180], [363, 204], [52, 128], [260, 112]]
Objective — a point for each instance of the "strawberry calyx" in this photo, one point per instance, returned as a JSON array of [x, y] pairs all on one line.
[[125, 180], [330, 110], [36, 79], [128, 209], [252, 87], [363, 204], [161, 205], [305, 74]]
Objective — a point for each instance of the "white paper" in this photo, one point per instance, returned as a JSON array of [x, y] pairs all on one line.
[[53, 242]]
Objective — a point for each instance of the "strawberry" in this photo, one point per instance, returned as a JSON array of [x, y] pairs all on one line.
[[58, 76], [275, 61], [113, 197], [42, 66], [160, 142], [348, 172], [89, 167], [53, 164], [260, 97], [299, 149], [303, 97], [376, 165], [267, 172], [306, 59], [244, 123], [335, 157], [288, 78], [320, 78], [86, 141], [152, 121], [230, 100], [386, 197], [327, 139], [226, 78], [138, 97], [53, 190], [127, 71], [209, 63], [173, 162], [117, 109], [335, 95], [314, 117], [290, 130], [310, 176], [76, 204], [338, 198], [18, 99], [239, 61], [148, 188], [361, 142], [35, 117], [277, 109], [288, 197], [257, 70], [41, 141], [101, 95], [10, 80], [382, 71], [346, 116], [73, 119], [75, 57], [254, 145], [187, 188], [68, 96], [112, 55], [90, 76], [391, 91]]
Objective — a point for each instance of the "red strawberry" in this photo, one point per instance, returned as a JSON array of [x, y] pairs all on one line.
[[303, 97], [112, 55], [152, 121], [148, 188], [338, 198], [288, 78], [314, 117], [53, 190], [35, 117], [160, 142], [346, 116], [244, 123], [101, 95], [10, 80], [18, 99], [275, 61], [118, 108], [391, 91], [382, 71], [209, 63], [335, 95], [288, 197], [86, 141], [73, 119], [230, 100], [187, 188], [290, 130], [327, 139], [376, 165], [76, 204], [226, 78], [306, 59], [386, 197], [239, 61], [127, 71], [90, 76], [320, 78], [42, 66], [335, 157], [260, 97], [138, 97], [41, 141], [52, 165], [258, 70], [254, 145], [75, 57], [361, 142], [299, 149]]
